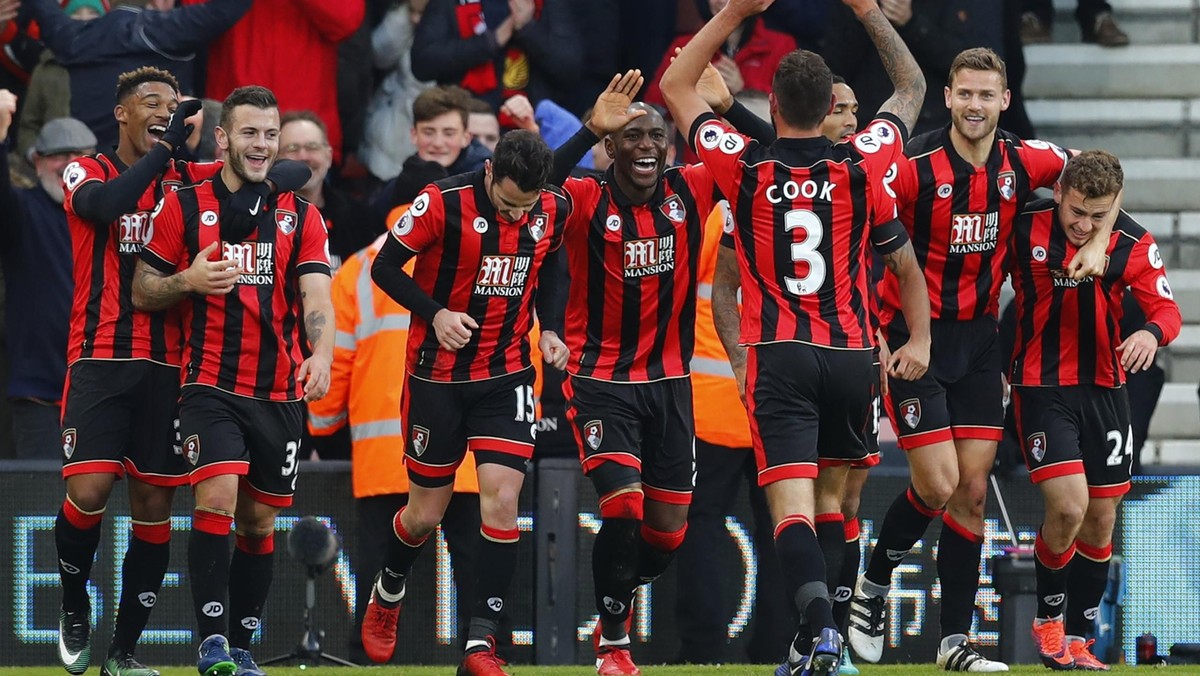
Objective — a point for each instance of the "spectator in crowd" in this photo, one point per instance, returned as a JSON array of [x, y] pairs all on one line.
[[934, 30], [49, 93], [35, 246], [747, 60], [96, 51], [555, 124], [440, 134], [1095, 20], [497, 48], [388, 141], [352, 223], [291, 45], [482, 123]]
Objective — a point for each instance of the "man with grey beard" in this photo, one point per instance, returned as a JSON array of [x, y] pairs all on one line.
[[35, 248]]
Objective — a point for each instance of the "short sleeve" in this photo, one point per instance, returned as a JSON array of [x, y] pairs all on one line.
[[1146, 275], [881, 145], [703, 187], [79, 173], [165, 249], [424, 223], [583, 195], [720, 147], [1043, 162], [313, 254], [904, 184]]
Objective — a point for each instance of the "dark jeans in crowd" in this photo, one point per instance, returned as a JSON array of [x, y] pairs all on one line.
[[1085, 10], [36, 429], [701, 614], [461, 528]]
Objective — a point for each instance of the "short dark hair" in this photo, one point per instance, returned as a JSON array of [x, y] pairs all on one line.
[[1093, 173], [524, 157], [803, 88], [477, 106], [978, 58], [838, 79], [253, 95], [128, 82], [304, 116], [437, 101]]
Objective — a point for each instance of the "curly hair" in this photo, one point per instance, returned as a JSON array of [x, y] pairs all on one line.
[[1093, 173]]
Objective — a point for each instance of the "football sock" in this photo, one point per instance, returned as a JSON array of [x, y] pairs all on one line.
[[250, 573], [904, 524], [402, 551], [1085, 588], [851, 560], [1051, 572], [208, 569], [142, 573], [959, 551], [804, 574], [493, 574], [656, 550], [76, 535], [615, 572], [831, 535]]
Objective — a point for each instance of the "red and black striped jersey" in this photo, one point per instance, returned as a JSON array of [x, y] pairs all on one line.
[[804, 211], [1067, 331], [960, 217], [104, 324], [248, 342], [470, 259], [631, 308]]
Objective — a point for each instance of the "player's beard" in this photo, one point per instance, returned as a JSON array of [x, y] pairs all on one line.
[[237, 162], [979, 133]]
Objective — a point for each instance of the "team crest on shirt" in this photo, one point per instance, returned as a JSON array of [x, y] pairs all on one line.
[[537, 226], [910, 412], [649, 256], [420, 440], [1006, 183], [191, 449], [69, 439], [286, 220], [673, 209], [593, 434], [1037, 445], [974, 233]]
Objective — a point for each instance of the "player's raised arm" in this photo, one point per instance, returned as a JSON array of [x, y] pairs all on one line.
[[905, 103], [679, 81]]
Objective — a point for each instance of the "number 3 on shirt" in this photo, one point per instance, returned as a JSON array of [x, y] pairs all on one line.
[[806, 250]]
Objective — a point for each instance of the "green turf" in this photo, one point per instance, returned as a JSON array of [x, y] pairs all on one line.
[[519, 670]]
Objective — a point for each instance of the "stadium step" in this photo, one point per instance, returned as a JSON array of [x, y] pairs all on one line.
[[1139, 71], [1177, 414], [1161, 184], [1159, 128], [1146, 21]]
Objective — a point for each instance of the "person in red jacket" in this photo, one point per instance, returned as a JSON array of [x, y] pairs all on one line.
[[296, 58]]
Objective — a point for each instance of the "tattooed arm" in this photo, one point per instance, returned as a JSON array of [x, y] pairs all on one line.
[[154, 289], [910, 361], [901, 67], [316, 303], [727, 318]]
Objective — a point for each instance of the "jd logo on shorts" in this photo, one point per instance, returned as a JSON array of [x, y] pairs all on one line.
[[213, 609], [613, 606]]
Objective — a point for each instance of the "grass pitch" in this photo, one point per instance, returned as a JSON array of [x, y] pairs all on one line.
[[583, 670]]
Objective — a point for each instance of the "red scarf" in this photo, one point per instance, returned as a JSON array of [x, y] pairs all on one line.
[[482, 78]]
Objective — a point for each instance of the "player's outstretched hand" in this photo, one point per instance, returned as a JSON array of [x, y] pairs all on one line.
[[520, 113], [611, 110], [208, 277], [314, 373], [8, 108], [909, 362], [1138, 351], [554, 350], [453, 329], [711, 87]]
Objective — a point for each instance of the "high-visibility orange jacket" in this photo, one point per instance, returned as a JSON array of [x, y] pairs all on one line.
[[366, 382], [720, 416]]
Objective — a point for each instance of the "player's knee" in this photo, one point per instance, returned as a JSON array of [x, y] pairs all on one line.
[[421, 519], [850, 507], [624, 503], [89, 493], [498, 506], [935, 491], [1065, 516], [971, 498], [1099, 524]]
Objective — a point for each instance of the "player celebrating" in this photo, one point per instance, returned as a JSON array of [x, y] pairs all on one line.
[[241, 408], [958, 194], [631, 329], [1070, 405], [120, 406], [804, 210], [480, 240]]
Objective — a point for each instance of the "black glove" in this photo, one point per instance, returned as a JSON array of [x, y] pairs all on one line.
[[289, 175], [178, 132], [244, 211]]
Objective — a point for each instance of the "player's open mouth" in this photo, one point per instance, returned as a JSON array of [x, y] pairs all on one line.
[[157, 130], [256, 161], [975, 119], [646, 165]]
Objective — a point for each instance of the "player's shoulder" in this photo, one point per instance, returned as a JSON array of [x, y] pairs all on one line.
[[1130, 229], [1039, 205], [88, 168], [926, 144]]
